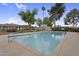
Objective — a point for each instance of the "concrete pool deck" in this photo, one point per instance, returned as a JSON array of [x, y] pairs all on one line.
[[68, 47], [14, 48]]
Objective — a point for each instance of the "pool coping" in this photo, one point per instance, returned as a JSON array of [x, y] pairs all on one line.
[[63, 48], [18, 34], [33, 33], [57, 50], [4, 38]]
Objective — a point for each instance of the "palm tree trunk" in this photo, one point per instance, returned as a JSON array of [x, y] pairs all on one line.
[[54, 23], [30, 27], [74, 25], [43, 14]]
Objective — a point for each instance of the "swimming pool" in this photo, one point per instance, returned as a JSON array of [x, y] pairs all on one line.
[[44, 42]]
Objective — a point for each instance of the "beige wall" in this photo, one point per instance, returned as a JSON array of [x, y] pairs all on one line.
[[10, 27]]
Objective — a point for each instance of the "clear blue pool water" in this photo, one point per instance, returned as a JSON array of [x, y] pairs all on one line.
[[44, 42]]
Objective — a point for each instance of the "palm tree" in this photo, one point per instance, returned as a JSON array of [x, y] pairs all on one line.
[[47, 22], [72, 17], [39, 22], [43, 9], [56, 12], [28, 16]]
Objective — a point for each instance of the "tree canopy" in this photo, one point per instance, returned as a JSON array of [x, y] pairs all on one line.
[[28, 16], [72, 18], [39, 22], [47, 22], [43, 9], [56, 12]]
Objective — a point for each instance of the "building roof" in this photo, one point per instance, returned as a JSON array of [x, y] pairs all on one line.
[[12, 25]]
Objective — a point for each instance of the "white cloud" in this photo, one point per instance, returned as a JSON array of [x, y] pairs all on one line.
[[11, 20], [21, 6], [15, 21], [5, 4]]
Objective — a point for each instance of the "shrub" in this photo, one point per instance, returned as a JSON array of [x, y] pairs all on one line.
[[69, 29], [11, 30], [56, 28], [22, 31]]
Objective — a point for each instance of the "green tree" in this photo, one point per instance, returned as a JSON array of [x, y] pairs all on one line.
[[39, 22], [72, 18], [43, 9], [56, 12], [47, 22], [28, 16]]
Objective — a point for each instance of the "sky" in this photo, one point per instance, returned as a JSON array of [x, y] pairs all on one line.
[[9, 11]]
